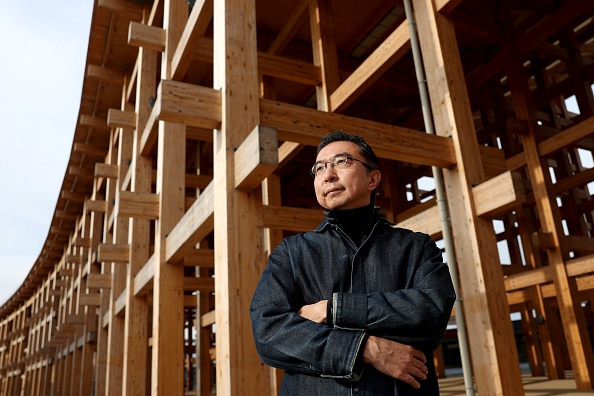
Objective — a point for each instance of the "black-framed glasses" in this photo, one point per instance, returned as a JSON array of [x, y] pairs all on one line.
[[337, 162]]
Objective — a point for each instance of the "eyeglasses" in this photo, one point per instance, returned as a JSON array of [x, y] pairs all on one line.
[[337, 162]]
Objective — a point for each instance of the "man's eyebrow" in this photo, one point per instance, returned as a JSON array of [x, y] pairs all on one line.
[[343, 154]]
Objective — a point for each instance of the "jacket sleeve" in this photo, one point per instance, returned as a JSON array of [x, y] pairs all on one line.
[[415, 315], [288, 341]]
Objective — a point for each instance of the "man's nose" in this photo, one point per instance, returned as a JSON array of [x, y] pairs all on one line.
[[329, 173]]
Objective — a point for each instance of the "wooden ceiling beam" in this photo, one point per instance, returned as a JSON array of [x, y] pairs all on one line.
[[385, 56], [306, 126]]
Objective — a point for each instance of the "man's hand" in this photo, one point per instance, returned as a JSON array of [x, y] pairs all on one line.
[[399, 361], [315, 312]]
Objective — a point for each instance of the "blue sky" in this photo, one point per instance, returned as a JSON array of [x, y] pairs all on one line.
[[44, 47]]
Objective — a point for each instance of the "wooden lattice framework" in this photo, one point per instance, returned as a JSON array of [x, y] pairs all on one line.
[[189, 163]]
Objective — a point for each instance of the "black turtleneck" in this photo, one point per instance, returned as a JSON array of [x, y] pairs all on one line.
[[353, 222]]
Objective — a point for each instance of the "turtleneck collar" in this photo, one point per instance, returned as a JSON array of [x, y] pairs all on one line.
[[352, 221]]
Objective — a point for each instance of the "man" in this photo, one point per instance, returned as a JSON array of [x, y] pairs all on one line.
[[356, 306]]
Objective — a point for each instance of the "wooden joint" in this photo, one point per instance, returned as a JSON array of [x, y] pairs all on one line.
[[103, 74], [107, 171], [113, 253], [543, 240], [92, 205], [256, 158], [91, 300], [498, 195], [189, 104], [148, 37], [93, 122], [99, 281], [121, 119], [139, 205]]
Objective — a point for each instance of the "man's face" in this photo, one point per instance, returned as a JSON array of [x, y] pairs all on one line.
[[348, 187]]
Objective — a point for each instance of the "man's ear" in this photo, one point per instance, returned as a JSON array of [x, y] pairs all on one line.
[[374, 178]]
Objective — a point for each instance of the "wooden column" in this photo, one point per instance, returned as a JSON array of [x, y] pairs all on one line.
[[168, 283], [137, 309], [237, 214], [494, 356]]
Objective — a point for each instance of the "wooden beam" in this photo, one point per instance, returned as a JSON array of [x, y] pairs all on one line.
[[90, 150], [307, 126], [121, 119], [147, 37], [199, 284], [82, 173], [143, 280], [580, 266], [139, 205], [538, 276], [123, 7], [426, 221], [113, 253], [107, 171], [95, 205], [99, 281], [93, 122], [289, 69], [385, 56], [104, 74], [256, 158], [195, 224], [498, 195], [199, 258], [189, 104], [91, 300], [293, 219], [194, 30]]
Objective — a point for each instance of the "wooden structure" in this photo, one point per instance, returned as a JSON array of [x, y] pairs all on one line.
[[190, 159]]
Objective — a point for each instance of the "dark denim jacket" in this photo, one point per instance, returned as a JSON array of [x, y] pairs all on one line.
[[394, 286]]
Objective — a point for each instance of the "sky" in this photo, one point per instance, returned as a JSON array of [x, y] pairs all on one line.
[[44, 49]]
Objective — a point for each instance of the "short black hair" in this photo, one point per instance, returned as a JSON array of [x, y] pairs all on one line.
[[342, 136]]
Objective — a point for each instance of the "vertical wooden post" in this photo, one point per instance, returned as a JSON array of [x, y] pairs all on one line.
[[136, 315], [237, 213], [168, 290], [494, 354]]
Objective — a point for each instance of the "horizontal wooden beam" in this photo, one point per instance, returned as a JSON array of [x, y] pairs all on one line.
[[580, 266], [104, 74], [147, 37], [99, 281], [113, 253], [427, 221], [199, 258], [89, 150], [289, 69], [123, 7], [208, 319], [93, 122], [199, 284], [106, 170], [95, 205], [307, 126], [91, 300], [528, 278], [256, 158], [189, 104], [293, 219], [121, 119], [138, 205], [196, 224], [498, 195]]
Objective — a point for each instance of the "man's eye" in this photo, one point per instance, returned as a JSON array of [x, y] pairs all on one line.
[[319, 168], [340, 161]]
